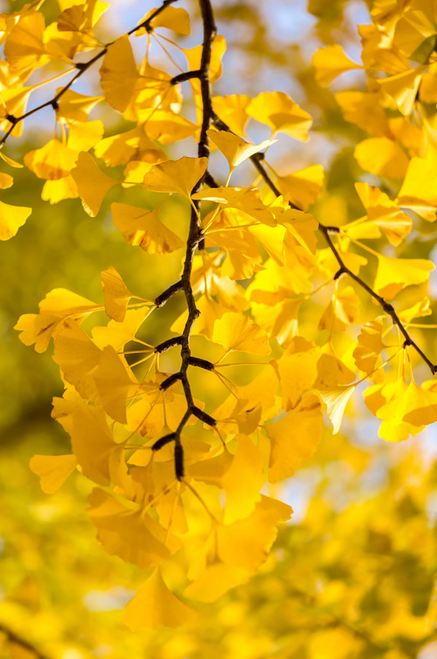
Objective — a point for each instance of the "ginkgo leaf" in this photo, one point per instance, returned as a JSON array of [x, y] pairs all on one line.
[[331, 370], [56, 191], [144, 228], [301, 226], [53, 470], [176, 175], [36, 329], [403, 87], [302, 187], [92, 183], [24, 47], [130, 533], [281, 113], [11, 219], [119, 74], [420, 406], [336, 400], [243, 480], [132, 144], [295, 437], [394, 274], [245, 543], [341, 312], [116, 293], [234, 148], [155, 606], [83, 136], [244, 199], [168, 127], [418, 190], [61, 302], [382, 156], [6, 181], [297, 371], [77, 356], [364, 110], [233, 111], [93, 443], [331, 62], [114, 384], [369, 346], [382, 213], [76, 107], [172, 18], [117, 334], [215, 580], [233, 331], [53, 161]]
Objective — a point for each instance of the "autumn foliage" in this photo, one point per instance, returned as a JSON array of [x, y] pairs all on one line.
[[291, 313]]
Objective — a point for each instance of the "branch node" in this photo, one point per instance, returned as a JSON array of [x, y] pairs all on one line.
[[10, 117], [169, 343], [163, 441], [407, 342], [201, 363], [388, 308], [339, 272], [168, 382], [81, 66], [55, 105], [167, 294], [203, 416]]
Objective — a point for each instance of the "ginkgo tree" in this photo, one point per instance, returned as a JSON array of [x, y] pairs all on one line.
[[176, 481]]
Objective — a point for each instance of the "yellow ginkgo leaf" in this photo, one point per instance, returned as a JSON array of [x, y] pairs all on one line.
[[6, 181], [419, 189], [119, 74], [331, 62], [155, 606], [403, 87], [232, 110], [10, 162], [36, 329], [281, 113], [130, 533], [167, 127], [132, 144], [244, 199], [331, 370], [116, 294], [243, 480], [53, 161], [341, 311], [369, 346], [92, 183], [295, 437], [233, 331], [301, 226], [215, 580], [382, 156], [117, 334], [172, 18], [114, 384], [53, 470], [394, 274], [420, 406], [56, 191], [61, 302], [82, 136], [383, 213], [77, 356], [143, 227], [302, 187], [76, 107], [234, 148], [24, 47], [364, 110], [93, 443], [11, 219], [176, 175], [245, 543], [297, 371], [212, 470], [336, 400]]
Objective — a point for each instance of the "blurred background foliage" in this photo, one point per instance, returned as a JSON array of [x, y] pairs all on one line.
[[353, 575]]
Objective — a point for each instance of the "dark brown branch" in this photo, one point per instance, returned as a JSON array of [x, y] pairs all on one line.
[[187, 75], [170, 343], [168, 293]]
